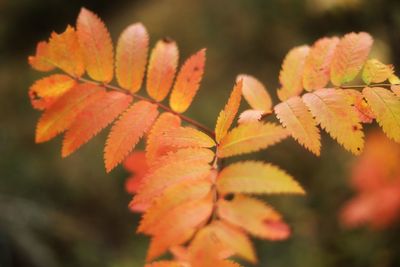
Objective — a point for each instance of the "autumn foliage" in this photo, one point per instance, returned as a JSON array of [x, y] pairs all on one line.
[[376, 180], [193, 206]]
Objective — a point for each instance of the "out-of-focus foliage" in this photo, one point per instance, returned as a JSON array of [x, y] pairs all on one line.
[[376, 179]]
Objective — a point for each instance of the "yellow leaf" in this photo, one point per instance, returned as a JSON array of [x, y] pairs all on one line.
[[294, 115], [334, 113], [375, 71], [227, 115], [290, 77], [255, 93], [250, 137], [131, 57], [256, 177], [96, 45], [349, 57], [253, 216], [161, 69], [393, 79], [186, 137], [396, 89], [317, 65], [386, 107]]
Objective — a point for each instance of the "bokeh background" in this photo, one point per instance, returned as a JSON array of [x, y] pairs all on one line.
[[56, 213]]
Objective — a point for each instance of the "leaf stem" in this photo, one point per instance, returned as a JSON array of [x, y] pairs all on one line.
[[160, 105]]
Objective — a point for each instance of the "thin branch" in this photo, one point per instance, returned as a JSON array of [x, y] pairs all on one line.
[[363, 86], [160, 105]]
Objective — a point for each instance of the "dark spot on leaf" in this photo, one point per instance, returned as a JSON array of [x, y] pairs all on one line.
[[167, 40], [229, 197]]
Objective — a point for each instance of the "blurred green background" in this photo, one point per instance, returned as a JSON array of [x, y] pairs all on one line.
[[56, 212]]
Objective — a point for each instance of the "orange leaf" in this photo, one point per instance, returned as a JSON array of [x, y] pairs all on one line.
[[44, 92], [186, 137], [184, 154], [93, 118], [131, 57], [158, 179], [154, 146], [96, 45], [234, 239], [334, 113], [167, 264], [206, 250], [255, 93], [291, 73], [253, 216], [227, 115], [179, 225], [40, 60], [294, 115], [127, 131], [172, 198], [65, 52], [136, 164], [62, 113], [256, 177], [349, 57], [162, 68], [62, 51], [188, 82], [376, 179], [316, 68], [250, 137]]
